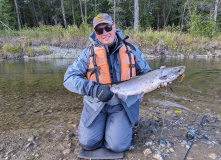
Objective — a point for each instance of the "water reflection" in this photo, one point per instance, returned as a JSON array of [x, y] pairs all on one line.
[[32, 94], [202, 83]]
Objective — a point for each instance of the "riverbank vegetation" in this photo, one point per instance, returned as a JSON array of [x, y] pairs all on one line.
[[165, 42], [173, 27]]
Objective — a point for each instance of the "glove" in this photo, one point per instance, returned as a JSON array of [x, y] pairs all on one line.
[[103, 93]]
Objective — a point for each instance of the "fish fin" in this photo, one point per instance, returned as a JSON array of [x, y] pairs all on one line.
[[140, 97], [122, 97], [162, 67], [170, 87]]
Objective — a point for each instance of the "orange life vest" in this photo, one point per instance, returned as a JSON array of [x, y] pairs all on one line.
[[98, 70]]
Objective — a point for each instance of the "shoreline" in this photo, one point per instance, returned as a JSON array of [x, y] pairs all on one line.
[[70, 53]]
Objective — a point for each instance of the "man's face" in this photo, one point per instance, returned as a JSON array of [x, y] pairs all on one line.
[[107, 37]]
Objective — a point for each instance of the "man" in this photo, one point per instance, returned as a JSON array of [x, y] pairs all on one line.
[[106, 120]]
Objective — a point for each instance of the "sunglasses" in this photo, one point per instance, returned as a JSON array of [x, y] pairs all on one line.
[[100, 30]]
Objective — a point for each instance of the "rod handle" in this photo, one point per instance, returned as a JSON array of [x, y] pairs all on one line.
[[203, 120]]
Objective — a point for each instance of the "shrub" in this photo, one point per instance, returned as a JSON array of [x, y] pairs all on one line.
[[11, 49], [30, 52], [44, 49]]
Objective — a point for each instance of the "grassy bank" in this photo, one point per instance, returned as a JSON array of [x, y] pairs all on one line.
[[168, 42]]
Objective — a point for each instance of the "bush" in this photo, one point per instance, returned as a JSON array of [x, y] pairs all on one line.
[[44, 49], [30, 52], [202, 26], [11, 49]]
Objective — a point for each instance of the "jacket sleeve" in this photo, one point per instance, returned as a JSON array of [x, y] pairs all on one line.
[[142, 66], [74, 77]]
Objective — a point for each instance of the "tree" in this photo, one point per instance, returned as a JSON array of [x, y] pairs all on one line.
[[195, 16], [72, 8], [85, 9], [114, 9], [136, 15], [63, 13], [182, 16], [42, 17], [95, 4], [18, 14], [216, 10], [34, 15], [82, 16], [167, 7], [7, 14]]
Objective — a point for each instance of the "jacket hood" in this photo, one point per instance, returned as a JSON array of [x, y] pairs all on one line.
[[95, 42]]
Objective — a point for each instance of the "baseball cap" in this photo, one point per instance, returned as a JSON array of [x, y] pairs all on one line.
[[102, 18]]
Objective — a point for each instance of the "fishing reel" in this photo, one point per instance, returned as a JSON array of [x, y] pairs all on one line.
[[190, 135], [193, 134]]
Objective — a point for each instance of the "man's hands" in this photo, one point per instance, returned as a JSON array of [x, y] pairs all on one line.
[[163, 85], [103, 93]]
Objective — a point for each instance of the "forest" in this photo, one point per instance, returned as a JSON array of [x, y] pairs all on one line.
[[200, 17], [157, 27]]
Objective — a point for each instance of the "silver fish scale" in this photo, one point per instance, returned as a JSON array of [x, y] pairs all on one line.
[[147, 82]]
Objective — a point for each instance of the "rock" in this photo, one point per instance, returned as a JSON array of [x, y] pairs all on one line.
[[7, 153], [131, 148], [29, 150], [31, 139], [212, 155], [36, 145], [71, 135], [66, 151], [37, 155], [170, 112], [187, 146], [70, 122], [168, 144], [183, 143], [29, 145], [157, 156], [147, 151], [152, 137], [7, 158], [175, 139], [149, 143], [163, 142], [207, 142], [171, 150]]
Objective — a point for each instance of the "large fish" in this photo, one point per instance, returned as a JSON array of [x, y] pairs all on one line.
[[148, 82]]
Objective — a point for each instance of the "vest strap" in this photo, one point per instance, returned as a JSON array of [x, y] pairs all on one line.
[[95, 69], [129, 55]]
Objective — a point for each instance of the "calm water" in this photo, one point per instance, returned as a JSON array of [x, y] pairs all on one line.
[[32, 94]]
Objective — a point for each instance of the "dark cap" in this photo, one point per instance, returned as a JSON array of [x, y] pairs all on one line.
[[102, 18]]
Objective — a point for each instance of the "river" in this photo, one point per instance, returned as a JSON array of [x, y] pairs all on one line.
[[32, 94]]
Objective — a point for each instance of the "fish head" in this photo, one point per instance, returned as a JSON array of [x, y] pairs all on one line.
[[171, 73], [115, 88]]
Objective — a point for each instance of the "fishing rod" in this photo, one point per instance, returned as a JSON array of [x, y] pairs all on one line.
[[192, 135]]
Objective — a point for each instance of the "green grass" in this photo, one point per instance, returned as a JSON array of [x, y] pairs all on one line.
[[77, 37]]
